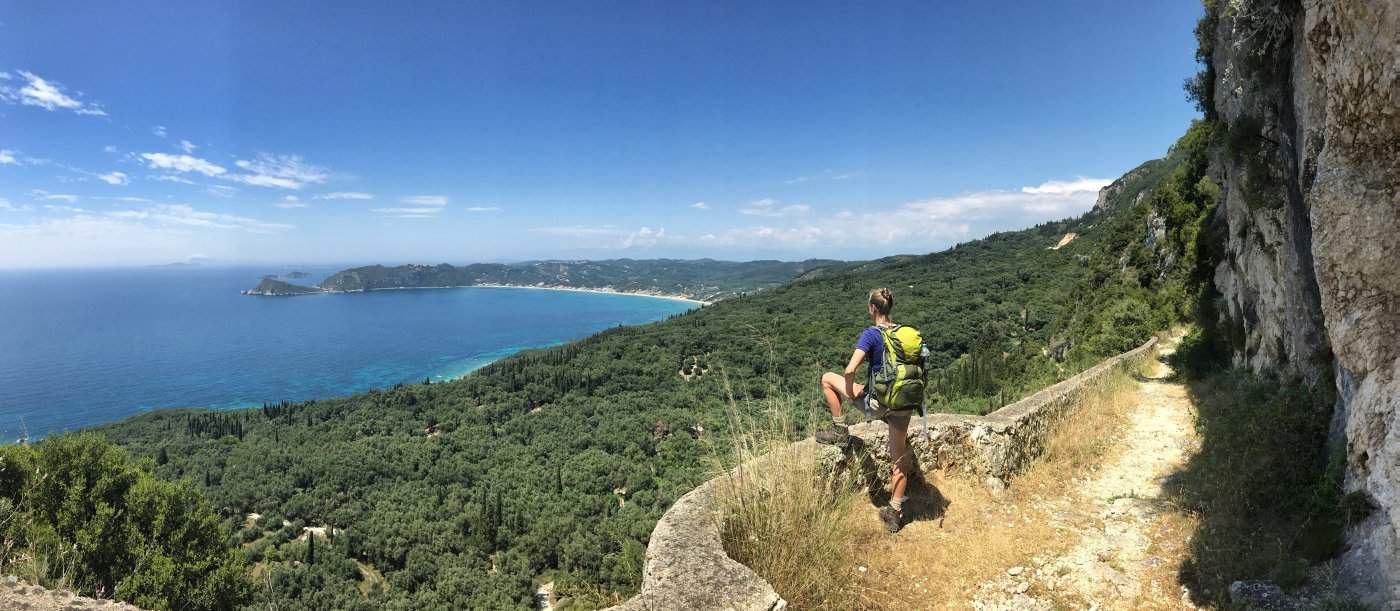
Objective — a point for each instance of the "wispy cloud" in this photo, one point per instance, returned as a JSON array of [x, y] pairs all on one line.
[[922, 224], [611, 236], [159, 130], [48, 95], [279, 171], [42, 195], [223, 191], [182, 163], [700, 206], [824, 175], [484, 209], [6, 206], [424, 200], [345, 195], [415, 207], [575, 231], [109, 149], [183, 215], [171, 178], [773, 208], [290, 201], [186, 146], [7, 157], [113, 178]]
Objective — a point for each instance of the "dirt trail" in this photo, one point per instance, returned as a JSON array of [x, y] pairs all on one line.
[[1127, 541]]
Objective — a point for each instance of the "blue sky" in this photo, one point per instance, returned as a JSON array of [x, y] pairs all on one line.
[[142, 132]]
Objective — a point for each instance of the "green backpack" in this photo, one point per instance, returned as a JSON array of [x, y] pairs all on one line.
[[899, 385]]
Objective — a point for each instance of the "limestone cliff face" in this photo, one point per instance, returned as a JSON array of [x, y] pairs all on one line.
[[1310, 168]]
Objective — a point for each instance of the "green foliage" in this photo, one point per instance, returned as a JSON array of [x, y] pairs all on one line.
[[82, 514], [1265, 485], [1155, 264], [705, 278]]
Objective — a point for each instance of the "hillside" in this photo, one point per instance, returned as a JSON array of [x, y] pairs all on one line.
[[703, 279], [272, 287], [557, 462]]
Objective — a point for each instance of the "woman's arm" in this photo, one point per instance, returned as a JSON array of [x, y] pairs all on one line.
[[850, 373]]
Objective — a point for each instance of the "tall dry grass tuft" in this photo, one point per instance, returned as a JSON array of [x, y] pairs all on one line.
[[980, 535], [783, 514]]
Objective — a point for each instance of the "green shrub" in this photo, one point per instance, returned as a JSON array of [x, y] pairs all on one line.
[[84, 515], [1264, 485]]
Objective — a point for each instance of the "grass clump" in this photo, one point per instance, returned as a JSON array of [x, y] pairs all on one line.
[[1265, 486], [782, 512]]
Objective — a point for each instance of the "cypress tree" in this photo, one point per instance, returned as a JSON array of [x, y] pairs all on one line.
[[310, 547]]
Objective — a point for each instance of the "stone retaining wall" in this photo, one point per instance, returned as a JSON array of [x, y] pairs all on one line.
[[687, 568]]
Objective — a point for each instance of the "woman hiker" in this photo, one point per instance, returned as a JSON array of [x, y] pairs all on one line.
[[837, 388]]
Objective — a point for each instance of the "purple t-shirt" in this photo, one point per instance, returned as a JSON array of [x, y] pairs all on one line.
[[874, 347]]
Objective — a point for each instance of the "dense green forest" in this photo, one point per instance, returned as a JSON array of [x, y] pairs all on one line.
[[704, 279], [555, 463]]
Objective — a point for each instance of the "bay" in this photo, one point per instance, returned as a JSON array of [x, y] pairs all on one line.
[[84, 347]]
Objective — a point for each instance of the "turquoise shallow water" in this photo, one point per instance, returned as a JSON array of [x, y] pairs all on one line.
[[79, 348]]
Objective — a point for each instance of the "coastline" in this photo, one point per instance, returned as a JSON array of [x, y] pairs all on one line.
[[609, 291]]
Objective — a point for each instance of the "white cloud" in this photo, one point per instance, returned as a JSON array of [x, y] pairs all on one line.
[[5, 76], [484, 209], [345, 195], [49, 95], [113, 178], [611, 235], [643, 238], [8, 207], [290, 201], [223, 191], [1065, 187], [62, 208], [7, 157], [916, 226], [416, 207], [182, 163], [183, 215], [42, 195], [576, 231], [407, 212], [700, 206], [109, 149], [772, 208], [279, 171], [824, 175], [424, 200], [186, 146], [159, 130], [171, 178]]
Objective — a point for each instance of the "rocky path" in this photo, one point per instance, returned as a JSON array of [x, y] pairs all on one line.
[[19, 595], [1124, 553]]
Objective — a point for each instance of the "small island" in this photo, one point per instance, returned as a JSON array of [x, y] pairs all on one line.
[[272, 287]]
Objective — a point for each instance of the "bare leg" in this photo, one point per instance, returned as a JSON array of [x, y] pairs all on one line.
[[900, 456], [834, 391]]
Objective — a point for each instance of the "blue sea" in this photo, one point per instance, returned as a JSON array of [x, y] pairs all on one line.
[[80, 348]]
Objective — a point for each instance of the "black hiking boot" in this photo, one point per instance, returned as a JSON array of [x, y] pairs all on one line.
[[839, 435], [891, 518]]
